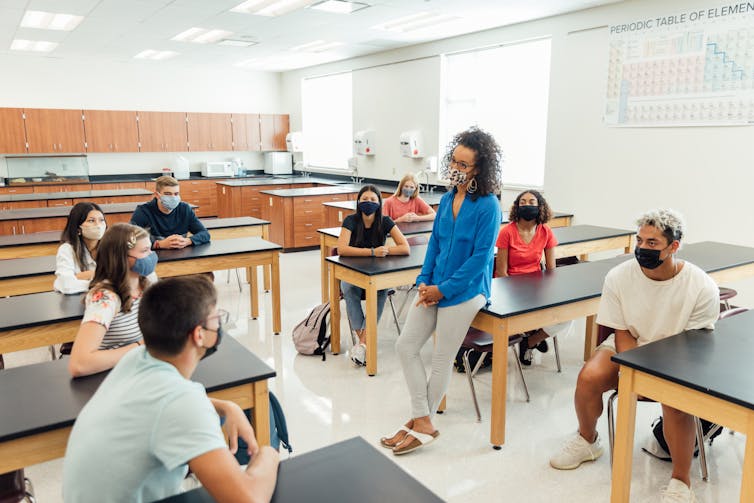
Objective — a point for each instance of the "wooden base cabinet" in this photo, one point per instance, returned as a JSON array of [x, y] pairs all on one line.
[[295, 220]]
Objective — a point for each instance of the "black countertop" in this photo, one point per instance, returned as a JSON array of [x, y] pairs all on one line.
[[63, 211], [276, 180], [24, 311], [716, 362], [407, 228], [351, 471], [312, 191], [581, 233], [40, 196], [44, 397]]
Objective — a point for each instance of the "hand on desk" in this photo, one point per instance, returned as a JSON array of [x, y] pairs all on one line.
[[381, 251], [174, 241], [429, 295]]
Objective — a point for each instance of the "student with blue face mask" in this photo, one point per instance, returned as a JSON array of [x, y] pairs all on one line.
[[406, 205], [110, 329], [168, 219], [364, 234]]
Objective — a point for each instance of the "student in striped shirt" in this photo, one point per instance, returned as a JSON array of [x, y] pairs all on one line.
[[110, 328]]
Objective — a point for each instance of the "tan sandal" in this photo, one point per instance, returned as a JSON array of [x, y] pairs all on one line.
[[420, 440], [384, 440]]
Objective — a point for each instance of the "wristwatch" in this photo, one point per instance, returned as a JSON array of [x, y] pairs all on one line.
[[373, 252]]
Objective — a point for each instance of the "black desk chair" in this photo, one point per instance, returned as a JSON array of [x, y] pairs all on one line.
[[725, 295], [477, 340], [15, 487], [701, 437]]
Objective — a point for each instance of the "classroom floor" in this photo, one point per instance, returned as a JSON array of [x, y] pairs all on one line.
[[330, 401]]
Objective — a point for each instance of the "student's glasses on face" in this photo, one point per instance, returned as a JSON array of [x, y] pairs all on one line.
[[222, 316], [460, 164]]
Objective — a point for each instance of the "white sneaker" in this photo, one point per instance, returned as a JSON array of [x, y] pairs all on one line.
[[358, 355], [575, 451], [677, 492]]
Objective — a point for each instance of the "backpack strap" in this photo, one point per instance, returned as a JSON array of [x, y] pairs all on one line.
[[280, 425]]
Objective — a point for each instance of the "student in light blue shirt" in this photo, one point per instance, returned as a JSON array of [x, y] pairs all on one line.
[[454, 283], [148, 422]]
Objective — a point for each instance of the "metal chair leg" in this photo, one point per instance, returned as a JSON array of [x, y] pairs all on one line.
[[611, 423], [395, 315], [557, 352], [520, 373], [702, 450], [52, 352], [467, 368], [238, 278]]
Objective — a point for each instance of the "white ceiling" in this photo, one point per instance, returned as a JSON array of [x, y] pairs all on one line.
[[117, 30]]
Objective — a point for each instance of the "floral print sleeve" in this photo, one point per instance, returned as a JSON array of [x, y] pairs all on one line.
[[101, 307]]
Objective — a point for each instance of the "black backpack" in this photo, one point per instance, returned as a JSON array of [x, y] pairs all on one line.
[[660, 437], [312, 335]]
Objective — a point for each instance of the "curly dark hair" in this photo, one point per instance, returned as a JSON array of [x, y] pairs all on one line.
[[545, 213], [488, 162]]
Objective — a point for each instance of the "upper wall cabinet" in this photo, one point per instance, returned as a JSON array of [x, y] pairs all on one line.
[[12, 133], [272, 131], [163, 132], [54, 131], [207, 132], [246, 132], [111, 131]]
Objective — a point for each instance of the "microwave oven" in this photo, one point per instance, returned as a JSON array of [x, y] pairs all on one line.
[[217, 169]]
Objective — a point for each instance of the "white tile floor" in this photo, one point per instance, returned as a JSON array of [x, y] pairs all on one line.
[[329, 401]]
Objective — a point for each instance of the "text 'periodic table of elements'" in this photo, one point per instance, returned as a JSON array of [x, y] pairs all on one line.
[[692, 68]]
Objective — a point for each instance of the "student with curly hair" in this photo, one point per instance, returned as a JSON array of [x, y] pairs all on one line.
[[454, 283], [520, 247]]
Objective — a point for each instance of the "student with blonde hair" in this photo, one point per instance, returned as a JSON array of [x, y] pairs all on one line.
[[406, 205]]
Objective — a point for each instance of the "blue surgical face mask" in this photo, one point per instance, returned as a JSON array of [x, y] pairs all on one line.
[[407, 192], [368, 207], [170, 202], [145, 266]]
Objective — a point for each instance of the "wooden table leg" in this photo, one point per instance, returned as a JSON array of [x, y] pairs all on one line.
[[275, 270], [747, 482], [324, 280], [499, 383], [261, 412], [624, 437], [334, 311], [371, 327], [251, 272], [266, 270], [590, 337]]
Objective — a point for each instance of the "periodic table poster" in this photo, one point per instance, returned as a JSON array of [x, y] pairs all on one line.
[[688, 68]]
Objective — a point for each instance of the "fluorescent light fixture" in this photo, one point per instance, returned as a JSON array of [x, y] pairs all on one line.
[[339, 6], [201, 35], [234, 42], [156, 55], [50, 20], [317, 46], [415, 22], [32, 45], [270, 7]]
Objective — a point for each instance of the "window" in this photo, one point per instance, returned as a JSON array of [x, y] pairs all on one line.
[[327, 121], [503, 90]]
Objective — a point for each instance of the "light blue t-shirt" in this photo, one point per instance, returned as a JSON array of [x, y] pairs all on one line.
[[133, 440]]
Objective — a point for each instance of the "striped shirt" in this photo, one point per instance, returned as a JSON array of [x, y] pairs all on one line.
[[103, 307]]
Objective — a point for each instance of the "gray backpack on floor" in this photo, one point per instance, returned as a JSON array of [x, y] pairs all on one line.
[[312, 335]]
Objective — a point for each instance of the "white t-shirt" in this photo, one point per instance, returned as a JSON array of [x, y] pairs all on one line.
[[132, 441], [66, 268], [651, 310]]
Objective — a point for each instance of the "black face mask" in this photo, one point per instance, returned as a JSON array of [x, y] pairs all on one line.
[[528, 212], [648, 258], [213, 349]]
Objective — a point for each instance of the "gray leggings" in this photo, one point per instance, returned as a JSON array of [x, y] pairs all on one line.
[[451, 324]]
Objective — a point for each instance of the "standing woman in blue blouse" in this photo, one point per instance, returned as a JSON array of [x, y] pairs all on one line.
[[454, 283]]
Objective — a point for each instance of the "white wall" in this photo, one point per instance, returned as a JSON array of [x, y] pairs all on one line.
[[605, 176], [43, 82]]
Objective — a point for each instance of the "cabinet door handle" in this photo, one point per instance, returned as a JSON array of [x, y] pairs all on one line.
[[23, 229], [14, 230], [308, 200]]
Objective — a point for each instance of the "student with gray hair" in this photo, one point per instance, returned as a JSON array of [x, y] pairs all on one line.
[[647, 299]]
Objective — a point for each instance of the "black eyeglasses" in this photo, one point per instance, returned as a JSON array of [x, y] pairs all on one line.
[[460, 164]]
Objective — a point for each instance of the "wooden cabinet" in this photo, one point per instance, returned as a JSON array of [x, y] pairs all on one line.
[[54, 131], [162, 132], [111, 131], [121, 185], [209, 132], [42, 224], [295, 220], [75, 187], [12, 132], [19, 205], [16, 190], [54, 203], [9, 228], [201, 193], [272, 131], [246, 132]]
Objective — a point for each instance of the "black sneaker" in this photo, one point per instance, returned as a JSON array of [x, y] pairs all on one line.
[[524, 352], [542, 347]]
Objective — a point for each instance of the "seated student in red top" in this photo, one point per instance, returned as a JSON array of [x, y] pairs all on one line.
[[520, 246], [406, 205]]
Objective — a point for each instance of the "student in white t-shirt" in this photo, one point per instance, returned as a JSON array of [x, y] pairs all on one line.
[[148, 422], [75, 260], [644, 300]]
